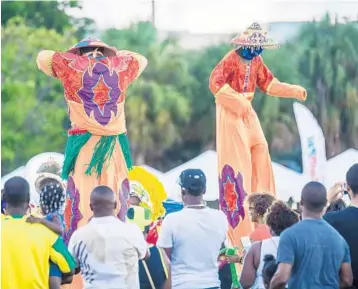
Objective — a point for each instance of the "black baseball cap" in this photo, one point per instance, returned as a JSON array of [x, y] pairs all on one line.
[[193, 181]]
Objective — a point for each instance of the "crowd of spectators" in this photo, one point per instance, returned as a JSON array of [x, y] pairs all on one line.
[[314, 247]]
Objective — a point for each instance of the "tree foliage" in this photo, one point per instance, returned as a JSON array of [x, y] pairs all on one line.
[[33, 109]]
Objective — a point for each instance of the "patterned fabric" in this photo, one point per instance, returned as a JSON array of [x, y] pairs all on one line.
[[232, 195], [72, 213], [232, 70], [255, 36]]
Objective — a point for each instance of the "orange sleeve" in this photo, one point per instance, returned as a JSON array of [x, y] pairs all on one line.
[[224, 94], [273, 87]]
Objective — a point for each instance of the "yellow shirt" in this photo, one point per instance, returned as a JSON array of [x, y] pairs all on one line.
[[25, 253]]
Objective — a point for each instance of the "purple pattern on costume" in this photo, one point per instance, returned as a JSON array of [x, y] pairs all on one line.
[[124, 199], [234, 213], [72, 211], [90, 80]]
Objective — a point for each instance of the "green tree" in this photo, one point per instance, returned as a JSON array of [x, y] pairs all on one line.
[[48, 14], [329, 62], [34, 113]]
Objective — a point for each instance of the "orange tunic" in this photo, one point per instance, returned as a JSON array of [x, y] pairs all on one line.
[[243, 157]]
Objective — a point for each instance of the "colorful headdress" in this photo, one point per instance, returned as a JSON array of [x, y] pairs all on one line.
[[140, 216], [93, 42], [254, 36], [149, 190]]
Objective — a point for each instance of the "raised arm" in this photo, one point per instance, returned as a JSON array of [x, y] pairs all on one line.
[[136, 63], [224, 94], [267, 82]]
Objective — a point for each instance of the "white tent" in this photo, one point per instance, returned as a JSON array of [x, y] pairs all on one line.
[[338, 166], [288, 182], [19, 172], [207, 162]]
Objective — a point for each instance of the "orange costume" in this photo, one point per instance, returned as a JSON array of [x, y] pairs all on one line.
[[243, 156], [97, 150]]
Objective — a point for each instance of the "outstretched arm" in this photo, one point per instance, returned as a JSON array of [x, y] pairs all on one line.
[[273, 87], [224, 94]]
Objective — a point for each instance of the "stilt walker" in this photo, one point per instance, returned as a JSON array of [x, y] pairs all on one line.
[[243, 156], [95, 78]]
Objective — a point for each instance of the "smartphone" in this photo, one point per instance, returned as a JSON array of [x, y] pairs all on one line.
[[344, 188]]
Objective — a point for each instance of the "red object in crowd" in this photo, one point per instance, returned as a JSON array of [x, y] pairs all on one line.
[[153, 233]]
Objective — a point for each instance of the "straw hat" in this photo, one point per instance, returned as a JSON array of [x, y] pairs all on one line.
[[93, 42], [254, 36]]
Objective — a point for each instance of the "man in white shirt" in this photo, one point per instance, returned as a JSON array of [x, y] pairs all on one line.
[[192, 237], [106, 249]]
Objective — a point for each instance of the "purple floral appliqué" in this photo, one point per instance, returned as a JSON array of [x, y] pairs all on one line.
[[124, 199], [72, 213], [99, 82], [232, 195]]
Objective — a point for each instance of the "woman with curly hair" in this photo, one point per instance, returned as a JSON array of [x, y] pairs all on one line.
[[279, 218], [259, 203]]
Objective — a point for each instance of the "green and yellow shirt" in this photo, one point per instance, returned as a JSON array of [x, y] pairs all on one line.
[[25, 253]]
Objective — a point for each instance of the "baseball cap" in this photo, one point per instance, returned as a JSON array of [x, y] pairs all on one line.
[[193, 180]]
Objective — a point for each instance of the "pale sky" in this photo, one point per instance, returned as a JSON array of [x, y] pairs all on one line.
[[212, 16]]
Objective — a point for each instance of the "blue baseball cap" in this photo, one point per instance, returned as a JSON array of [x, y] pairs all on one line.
[[193, 181]]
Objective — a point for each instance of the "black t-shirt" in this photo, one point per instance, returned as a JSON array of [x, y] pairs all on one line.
[[346, 223]]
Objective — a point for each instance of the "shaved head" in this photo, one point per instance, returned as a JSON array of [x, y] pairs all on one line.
[[102, 201], [314, 197]]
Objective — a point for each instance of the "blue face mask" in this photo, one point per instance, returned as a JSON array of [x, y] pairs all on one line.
[[250, 53]]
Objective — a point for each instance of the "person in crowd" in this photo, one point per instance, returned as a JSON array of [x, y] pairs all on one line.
[[26, 246], [192, 237], [225, 275], [312, 254], [107, 249], [154, 273], [269, 269], [259, 203], [346, 221], [279, 218], [52, 201]]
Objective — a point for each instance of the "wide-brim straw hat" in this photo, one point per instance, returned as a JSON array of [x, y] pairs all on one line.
[[48, 178], [255, 36], [93, 42]]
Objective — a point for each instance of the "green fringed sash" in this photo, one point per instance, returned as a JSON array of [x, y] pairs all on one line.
[[102, 152]]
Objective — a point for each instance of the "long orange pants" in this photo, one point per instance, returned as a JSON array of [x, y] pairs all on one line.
[[244, 167]]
